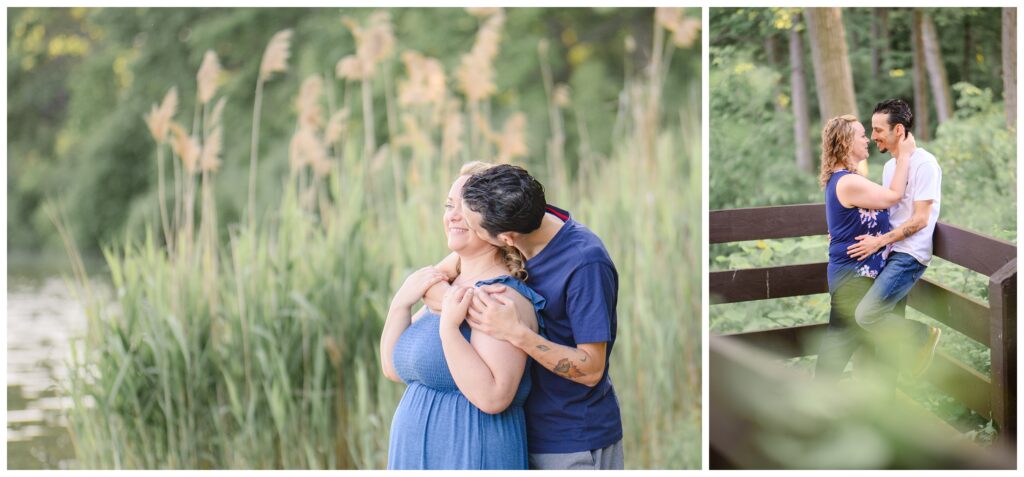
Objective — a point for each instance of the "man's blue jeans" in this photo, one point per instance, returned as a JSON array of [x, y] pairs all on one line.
[[878, 307], [876, 312]]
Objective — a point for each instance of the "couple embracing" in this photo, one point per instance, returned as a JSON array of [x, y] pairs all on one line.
[[880, 242], [507, 361]]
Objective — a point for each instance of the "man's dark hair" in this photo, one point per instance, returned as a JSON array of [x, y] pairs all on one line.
[[508, 199], [899, 113]]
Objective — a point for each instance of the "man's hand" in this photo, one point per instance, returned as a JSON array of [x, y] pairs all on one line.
[[495, 316], [865, 247]]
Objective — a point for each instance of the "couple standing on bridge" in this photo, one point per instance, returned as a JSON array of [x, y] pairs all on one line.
[[880, 242]]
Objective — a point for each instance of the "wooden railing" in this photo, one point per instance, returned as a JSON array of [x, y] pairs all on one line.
[[992, 324]]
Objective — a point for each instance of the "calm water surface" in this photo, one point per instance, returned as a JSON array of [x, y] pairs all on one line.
[[42, 318]]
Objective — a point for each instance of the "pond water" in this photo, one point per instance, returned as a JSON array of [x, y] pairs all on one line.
[[42, 318]]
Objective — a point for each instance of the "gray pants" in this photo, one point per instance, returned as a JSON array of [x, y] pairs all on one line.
[[608, 458]]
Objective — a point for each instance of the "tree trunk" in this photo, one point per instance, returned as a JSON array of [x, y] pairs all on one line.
[[831, 64], [920, 79], [771, 48], [801, 115], [936, 68], [879, 39], [832, 74], [1010, 65], [965, 62]]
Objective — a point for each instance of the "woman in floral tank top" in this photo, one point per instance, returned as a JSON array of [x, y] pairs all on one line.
[[854, 206]]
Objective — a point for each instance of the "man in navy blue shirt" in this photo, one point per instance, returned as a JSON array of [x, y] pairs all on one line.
[[572, 414]]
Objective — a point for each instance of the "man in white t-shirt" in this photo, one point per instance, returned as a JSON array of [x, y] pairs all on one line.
[[913, 222]]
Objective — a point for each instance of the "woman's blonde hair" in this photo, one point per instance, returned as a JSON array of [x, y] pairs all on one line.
[[513, 258], [836, 144]]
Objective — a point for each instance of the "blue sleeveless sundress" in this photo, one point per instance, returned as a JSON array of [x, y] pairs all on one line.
[[435, 426]]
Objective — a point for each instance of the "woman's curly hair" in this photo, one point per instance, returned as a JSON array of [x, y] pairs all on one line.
[[836, 143]]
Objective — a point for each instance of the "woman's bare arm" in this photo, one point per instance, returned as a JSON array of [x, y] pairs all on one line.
[[400, 314], [858, 191], [449, 266], [486, 370]]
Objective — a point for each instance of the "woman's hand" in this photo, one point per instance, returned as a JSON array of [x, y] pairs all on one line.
[[415, 286], [906, 147], [455, 306]]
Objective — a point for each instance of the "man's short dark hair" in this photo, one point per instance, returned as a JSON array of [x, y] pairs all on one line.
[[899, 112], [507, 198]]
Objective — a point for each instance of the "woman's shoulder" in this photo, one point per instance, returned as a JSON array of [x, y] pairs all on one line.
[[517, 285]]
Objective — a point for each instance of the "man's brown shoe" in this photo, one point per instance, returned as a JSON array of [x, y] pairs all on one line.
[[926, 354]]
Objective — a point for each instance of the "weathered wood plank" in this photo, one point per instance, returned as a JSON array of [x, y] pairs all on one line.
[[787, 342], [959, 311], [955, 309], [961, 382], [749, 284], [970, 249], [736, 225]]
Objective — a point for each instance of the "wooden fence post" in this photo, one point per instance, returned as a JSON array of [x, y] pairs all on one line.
[[1002, 295]]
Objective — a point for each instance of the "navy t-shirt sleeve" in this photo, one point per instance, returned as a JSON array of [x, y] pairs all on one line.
[[590, 303]]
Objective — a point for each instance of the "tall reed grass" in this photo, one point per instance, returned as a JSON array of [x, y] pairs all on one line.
[[261, 352]]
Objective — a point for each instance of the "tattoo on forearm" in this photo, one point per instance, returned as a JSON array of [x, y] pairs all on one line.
[[567, 369], [909, 230], [543, 348]]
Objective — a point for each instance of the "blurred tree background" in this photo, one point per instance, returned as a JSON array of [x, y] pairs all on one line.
[[778, 73], [80, 79]]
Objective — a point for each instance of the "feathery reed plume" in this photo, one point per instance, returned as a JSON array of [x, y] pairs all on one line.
[[218, 111], [275, 59], [512, 141], [415, 137], [483, 12], [206, 78], [158, 121], [159, 118], [425, 85], [374, 44], [308, 103], [451, 133], [475, 74], [322, 167], [336, 126], [185, 147], [684, 30], [305, 149], [209, 157], [349, 68]]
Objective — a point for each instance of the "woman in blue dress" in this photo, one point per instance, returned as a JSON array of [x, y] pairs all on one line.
[[854, 206], [463, 407]]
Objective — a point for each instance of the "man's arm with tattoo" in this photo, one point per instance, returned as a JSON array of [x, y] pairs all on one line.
[[583, 364], [498, 317], [918, 220], [868, 244]]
